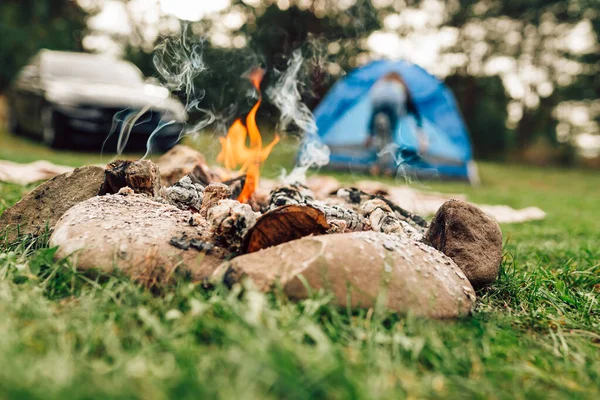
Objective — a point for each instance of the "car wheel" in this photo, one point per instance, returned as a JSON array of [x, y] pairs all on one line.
[[52, 134]]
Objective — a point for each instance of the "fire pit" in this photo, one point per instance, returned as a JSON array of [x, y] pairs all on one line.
[[214, 226], [360, 246]]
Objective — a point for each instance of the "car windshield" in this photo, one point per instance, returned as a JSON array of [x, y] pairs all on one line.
[[93, 69]]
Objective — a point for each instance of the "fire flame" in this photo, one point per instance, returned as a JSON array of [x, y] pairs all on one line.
[[234, 150]]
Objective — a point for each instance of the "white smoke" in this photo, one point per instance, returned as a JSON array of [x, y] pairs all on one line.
[[179, 61], [285, 95]]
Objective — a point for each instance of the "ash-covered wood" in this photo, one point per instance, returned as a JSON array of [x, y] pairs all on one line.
[[284, 224], [381, 217], [357, 196], [185, 194], [337, 214], [339, 218], [213, 193], [230, 222], [141, 175], [290, 194]]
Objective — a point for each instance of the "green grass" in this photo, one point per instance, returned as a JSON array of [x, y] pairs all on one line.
[[535, 333]]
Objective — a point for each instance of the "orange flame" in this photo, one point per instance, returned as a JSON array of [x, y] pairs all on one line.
[[234, 150]]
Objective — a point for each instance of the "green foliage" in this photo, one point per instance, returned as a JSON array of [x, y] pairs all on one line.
[[27, 26], [483, 103]]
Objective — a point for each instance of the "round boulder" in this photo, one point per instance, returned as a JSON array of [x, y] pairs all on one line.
[[133, 234], [470, 237], [360, 268]]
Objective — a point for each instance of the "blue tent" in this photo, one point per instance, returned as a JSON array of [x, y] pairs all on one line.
[[343, 116]]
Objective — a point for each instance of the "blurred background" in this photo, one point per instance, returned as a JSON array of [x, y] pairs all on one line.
[[525, 73]]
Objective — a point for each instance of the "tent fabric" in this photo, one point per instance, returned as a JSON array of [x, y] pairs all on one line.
[[343, 116]]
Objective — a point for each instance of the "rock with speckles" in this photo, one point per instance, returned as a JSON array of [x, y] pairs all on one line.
[[358, 267], [470, 237], [45, 204], [132, 233]]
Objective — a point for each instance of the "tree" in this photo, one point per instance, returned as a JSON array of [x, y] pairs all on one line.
[[27, 26]]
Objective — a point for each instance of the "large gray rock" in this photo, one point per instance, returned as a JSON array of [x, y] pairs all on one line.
[[45, 204], [470, 237], [358, 267], [132, 233]]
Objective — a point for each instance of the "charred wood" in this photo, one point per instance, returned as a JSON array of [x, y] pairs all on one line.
[[142, 176], [357, 196], [185, 243], [340, 218], [236, 185], [284, 224]]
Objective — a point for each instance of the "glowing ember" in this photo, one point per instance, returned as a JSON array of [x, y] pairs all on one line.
[[234, 150]]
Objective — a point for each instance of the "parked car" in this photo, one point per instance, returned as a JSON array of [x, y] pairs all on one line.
[[76, 100]]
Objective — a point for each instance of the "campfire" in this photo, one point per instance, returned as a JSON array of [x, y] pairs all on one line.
[[235, 151], [182, 217], [213, 226]]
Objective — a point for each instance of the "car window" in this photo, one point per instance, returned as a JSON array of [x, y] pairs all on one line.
[[92, 70]]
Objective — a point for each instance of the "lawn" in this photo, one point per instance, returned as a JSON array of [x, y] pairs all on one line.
[[535, 333]]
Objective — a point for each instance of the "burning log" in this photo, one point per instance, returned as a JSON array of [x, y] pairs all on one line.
[[375, 213], [290, 194], [383, 219], [340, 218], [142, 176], [284, 224]]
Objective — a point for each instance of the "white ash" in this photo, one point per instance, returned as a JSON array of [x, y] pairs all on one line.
[[381, 217], [412, 232], [354, 197], [290, 194], [125, 191], [353, 221], [230, 221], [337, 226], [213, 193], [185, 194]]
